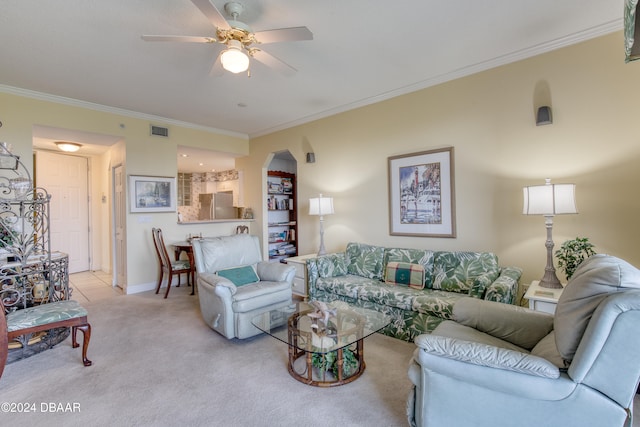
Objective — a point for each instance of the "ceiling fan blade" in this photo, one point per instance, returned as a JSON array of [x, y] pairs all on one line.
[[212, 13], [190, 39], [273, 62], [284, 35], [216, 68]]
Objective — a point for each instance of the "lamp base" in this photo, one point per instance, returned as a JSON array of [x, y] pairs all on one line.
[[550, 280]]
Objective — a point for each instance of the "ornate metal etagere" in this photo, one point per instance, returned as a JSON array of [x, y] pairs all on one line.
[[30, 273]]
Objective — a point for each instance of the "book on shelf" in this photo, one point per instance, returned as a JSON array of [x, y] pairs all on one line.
[[286, 249], [282, 224], [287, 186], [283, 204], [274, 187]]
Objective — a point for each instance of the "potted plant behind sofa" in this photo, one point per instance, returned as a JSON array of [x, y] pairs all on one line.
[[572, 253]]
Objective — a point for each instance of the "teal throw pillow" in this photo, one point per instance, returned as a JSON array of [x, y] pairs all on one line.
[[240, 275]]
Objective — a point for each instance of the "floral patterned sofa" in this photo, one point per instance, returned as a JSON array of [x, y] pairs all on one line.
[[368, 276]]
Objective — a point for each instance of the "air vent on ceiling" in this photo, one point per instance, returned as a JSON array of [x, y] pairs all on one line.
[[159, 131]]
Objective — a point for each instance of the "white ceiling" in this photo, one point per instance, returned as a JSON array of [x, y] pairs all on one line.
[[363, 51]]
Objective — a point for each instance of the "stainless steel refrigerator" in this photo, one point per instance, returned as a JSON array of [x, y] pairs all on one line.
[[216, 206]]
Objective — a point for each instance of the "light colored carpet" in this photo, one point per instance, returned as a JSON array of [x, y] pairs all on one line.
[[155, 363]]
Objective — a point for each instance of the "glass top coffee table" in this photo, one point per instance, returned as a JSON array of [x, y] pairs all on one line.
[[323, 354]]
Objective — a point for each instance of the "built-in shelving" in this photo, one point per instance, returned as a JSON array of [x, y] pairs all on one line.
[[282, 215]]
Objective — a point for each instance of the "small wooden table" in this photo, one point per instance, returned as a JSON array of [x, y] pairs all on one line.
[[543, 299], [300, 284], [186, 247]]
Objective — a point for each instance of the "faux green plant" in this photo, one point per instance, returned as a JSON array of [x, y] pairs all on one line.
[[329, 362], [572, 253], [6, 235]]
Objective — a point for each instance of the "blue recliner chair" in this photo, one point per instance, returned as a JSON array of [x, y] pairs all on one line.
[[500, 365]]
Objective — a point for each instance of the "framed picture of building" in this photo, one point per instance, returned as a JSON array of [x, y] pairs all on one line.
[[422, 194], [152, 193]]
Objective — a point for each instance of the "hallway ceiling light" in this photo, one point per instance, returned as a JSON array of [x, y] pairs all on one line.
[[69, 147]]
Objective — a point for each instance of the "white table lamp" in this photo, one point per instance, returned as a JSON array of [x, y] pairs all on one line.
[[321, 206], [549, 200]]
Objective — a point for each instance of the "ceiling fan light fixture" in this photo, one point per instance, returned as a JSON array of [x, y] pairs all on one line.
[[69, 147], [233, 58]]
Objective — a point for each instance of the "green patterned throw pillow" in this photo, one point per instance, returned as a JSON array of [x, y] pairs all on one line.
[[365, 260], [240, 275], [332, 265], [406, 274]]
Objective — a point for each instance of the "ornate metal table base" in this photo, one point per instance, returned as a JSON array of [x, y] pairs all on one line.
[[49, 340]]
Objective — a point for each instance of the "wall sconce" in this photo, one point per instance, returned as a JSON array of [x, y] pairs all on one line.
[[543, 117], [311, 158]]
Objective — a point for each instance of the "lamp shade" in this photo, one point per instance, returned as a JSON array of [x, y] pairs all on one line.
[[549, 199], [321, 206]]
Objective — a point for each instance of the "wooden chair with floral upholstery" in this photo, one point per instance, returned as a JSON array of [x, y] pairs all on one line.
[[30, 320]]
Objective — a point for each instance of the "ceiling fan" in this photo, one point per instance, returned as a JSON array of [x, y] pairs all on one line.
[[239, 40]]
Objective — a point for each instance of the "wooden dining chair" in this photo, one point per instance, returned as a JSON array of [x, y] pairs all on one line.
[[166, 265]]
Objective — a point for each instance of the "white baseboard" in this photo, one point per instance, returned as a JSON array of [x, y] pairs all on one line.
[[142, 287]]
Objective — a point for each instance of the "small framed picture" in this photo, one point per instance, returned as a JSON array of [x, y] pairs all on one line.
[[421, 194], [152, 194]]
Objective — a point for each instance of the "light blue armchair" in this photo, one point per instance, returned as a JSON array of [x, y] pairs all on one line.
[[501, 365], [235, 285]]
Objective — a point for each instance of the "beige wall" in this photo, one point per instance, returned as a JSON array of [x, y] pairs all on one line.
[[489, 119], [141, 154]]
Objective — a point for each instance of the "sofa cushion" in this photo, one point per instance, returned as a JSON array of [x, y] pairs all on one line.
[[404, 273], [436, 303], [388, 295], [455, 330], [488, 355], [348, 285], [259, 295], [217, 253], [546, 348], [459, 271], [365, 260], [43, 314], [414, 256], [240, 275], [595, 279], [332, 265]]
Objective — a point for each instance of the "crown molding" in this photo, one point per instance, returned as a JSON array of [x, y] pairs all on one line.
[[571, 39], [113, 110]]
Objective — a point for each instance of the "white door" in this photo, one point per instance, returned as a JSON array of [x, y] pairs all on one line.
[[119, 212], [66, 179]]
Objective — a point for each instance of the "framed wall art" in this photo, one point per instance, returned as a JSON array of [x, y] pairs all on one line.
[[152, 193], [421, 194]]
